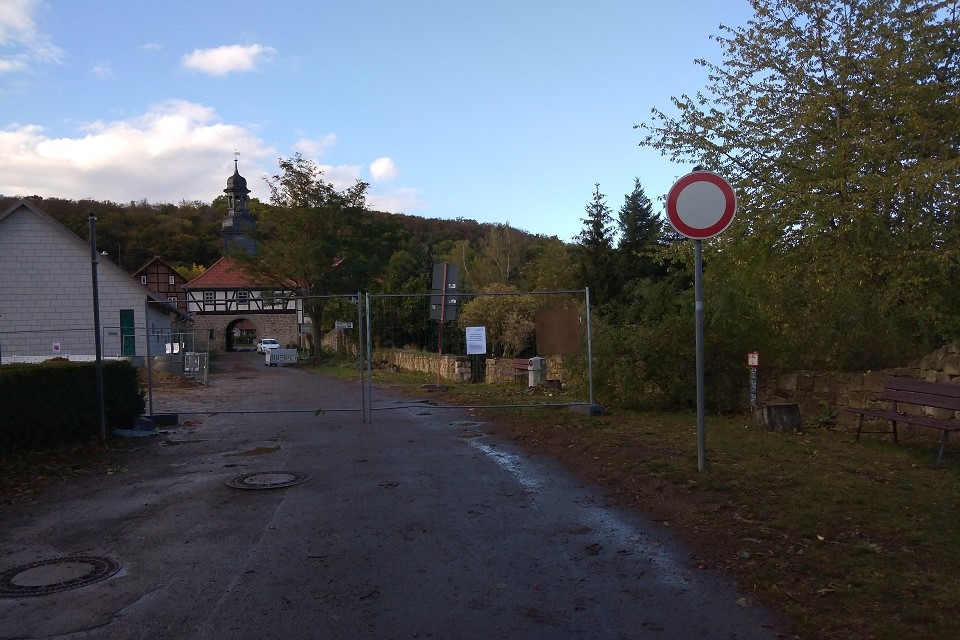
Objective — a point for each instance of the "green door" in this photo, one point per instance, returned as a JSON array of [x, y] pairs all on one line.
[[128, 335]]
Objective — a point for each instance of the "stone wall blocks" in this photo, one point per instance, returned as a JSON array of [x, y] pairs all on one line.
[[856, 382], [788, 381], [873, 381], [950, 365]]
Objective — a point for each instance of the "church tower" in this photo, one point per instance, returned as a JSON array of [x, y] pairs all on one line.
[[236, 228]]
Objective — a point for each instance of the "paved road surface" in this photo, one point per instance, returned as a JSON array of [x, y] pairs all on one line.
[[417, 525]]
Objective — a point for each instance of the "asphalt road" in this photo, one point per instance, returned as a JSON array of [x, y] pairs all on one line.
[[417, 525]]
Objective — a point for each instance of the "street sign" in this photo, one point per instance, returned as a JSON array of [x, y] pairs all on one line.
[[340, 324], [700, 205]]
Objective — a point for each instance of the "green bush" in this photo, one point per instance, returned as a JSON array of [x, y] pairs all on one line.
[[56, 402]]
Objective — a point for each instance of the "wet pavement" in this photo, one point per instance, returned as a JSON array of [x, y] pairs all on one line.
[[419, 524]]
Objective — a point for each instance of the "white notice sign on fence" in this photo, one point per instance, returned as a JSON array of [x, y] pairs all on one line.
[[476, 340]]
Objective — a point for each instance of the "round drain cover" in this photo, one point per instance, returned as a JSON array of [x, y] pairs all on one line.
[[57, 574], [268, 480]]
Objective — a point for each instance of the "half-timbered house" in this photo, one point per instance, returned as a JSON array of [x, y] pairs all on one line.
[[165, 281], [232, 306], [236, 310]]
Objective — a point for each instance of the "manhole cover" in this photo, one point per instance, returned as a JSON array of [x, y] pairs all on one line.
[[268, 480], [57, 574]]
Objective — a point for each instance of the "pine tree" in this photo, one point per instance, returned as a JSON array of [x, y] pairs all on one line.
[[641, 231], [596, 248]]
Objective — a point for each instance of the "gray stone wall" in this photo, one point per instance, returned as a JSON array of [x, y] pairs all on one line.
[[820, 394], [282, 326], [454, 368]]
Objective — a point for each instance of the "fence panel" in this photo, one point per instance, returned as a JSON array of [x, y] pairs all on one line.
[[535, 339], [264, 381]]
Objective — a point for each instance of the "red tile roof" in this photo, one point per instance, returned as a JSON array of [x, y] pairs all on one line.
[[223, 274]]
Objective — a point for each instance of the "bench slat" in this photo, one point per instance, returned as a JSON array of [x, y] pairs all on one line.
[[924, 421], [922, 386], [931, 394], [925, 399]]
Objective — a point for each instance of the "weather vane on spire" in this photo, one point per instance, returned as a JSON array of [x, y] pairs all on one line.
[[236, 159]]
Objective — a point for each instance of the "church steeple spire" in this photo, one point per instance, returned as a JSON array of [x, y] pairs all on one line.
[[239, 222]]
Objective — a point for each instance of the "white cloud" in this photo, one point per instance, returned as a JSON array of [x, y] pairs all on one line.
[[18, 33], [176, 151], [341, 176], [102, 71], [315, 147], [383, 169], [395, 200], [227, 59]]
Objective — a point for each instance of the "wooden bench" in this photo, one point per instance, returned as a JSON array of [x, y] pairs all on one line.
[[515, 367], [899, 391]]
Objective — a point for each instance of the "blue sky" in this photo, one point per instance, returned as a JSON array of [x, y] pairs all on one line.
[[489, 110]]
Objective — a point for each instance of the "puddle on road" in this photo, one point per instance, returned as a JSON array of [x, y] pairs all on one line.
[[510, 462], [252, 452], [605, 523], [172, 443]]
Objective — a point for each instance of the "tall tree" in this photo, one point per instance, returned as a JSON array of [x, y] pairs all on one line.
[[318, 238], [595, 242], [838, 122], [641, 231]]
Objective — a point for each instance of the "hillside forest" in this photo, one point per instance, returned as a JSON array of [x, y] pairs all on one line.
[[838, 124]]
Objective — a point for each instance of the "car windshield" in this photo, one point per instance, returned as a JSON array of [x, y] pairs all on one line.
[[269, 341]]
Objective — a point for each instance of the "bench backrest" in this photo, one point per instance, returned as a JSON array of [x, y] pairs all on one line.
[[942, 395]]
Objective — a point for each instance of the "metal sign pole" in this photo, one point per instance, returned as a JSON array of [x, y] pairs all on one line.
[[369, 363], [96, 327], [698, 286], [700, 205], [149, 362], [443, 308]]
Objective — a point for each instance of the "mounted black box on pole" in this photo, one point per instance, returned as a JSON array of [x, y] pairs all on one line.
[[443, 293]]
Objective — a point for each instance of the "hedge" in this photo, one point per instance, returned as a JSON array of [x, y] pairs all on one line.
[[55, 402]]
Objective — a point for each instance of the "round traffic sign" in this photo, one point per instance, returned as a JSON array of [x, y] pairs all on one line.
[[701, 205]]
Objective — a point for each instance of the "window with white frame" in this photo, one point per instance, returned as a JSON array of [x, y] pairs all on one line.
[[172, 280], [143, 279]]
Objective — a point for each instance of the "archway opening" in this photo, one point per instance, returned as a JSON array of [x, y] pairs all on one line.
[[241, 335]]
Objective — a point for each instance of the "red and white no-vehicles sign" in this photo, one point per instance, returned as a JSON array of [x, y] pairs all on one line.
[[701, 205]]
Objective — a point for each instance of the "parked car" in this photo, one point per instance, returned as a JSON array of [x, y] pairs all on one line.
[[267, 344]]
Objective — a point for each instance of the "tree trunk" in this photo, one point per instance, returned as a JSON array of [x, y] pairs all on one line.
[[782, 417]]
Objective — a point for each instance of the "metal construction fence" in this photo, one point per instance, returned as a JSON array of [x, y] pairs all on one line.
[[536, 343], [526, 338]]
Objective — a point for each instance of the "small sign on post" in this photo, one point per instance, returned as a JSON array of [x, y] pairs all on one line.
[[753, 361]]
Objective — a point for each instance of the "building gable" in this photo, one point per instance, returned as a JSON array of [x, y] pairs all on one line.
[[46, 284]]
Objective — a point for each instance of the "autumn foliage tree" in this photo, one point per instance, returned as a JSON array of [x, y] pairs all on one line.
[[319, 239], [838, 123]]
